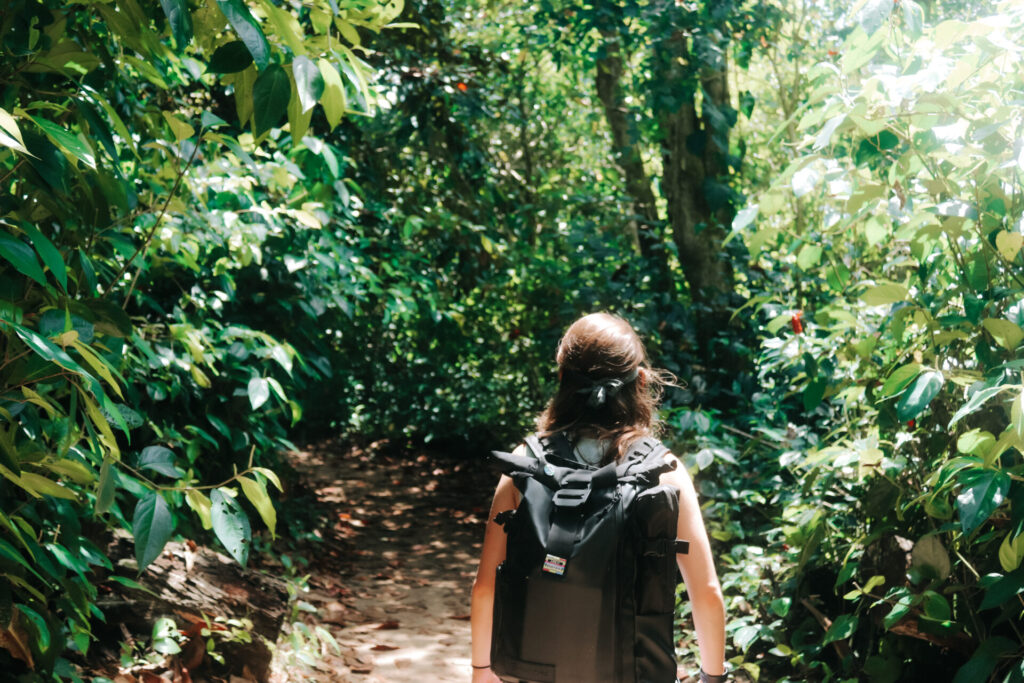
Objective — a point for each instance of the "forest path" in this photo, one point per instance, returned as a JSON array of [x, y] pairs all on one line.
[[392, 579]]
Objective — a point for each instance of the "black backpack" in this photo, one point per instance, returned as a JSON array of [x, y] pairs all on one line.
[[586, 593]]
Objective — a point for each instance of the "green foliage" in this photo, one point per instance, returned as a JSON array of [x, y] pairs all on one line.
[[145, 168], [199, 249], [905, 178]]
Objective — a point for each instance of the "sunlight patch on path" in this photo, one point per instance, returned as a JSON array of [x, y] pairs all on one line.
[[397, 597]]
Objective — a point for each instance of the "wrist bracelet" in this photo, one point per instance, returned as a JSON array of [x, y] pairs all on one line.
[[708, 678], [485, 666]]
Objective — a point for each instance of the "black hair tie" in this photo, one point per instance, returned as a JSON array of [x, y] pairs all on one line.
[[598, 392]]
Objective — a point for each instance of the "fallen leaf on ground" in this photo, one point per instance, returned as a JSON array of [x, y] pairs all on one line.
[[384, 648], [357, 664], [388, 626]]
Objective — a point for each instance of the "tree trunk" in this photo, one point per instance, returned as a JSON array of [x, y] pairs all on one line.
[[694, 157], [645, 228]]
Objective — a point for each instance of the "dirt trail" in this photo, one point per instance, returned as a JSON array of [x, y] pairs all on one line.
[[392, 578]]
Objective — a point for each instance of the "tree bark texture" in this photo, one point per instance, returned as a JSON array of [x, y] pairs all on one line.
[[694, 148], [627, 151], [694, 152]]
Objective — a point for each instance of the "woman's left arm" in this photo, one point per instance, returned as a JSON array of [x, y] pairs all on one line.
[[491, 556], [698, 569]]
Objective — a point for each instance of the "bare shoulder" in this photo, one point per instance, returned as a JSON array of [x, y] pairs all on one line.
[[507, 491], [678, 476]]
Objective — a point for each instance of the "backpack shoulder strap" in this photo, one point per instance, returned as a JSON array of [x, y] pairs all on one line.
[[535, 447], [534, 466], [645, 461], [558, 446], [510, 463]]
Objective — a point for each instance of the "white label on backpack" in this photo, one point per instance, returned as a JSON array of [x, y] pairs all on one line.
[[554, 565]]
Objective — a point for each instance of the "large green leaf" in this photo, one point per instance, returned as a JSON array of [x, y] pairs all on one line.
[[930, 557], [180, 20], [744, 217], [69, 142], [49, 162], [230, 58], [11, 554], [1006, 334], [231, 525], [842, 628], [975, 442], [983, 490], [21, 256], [248, 30], [1011, 550], [53, 353], [985, 659], [899, 379], [256, 492], [308, 80], [977, 399], [334, 101], [48, 253], [163, 640], [880, 295], [809, 256], [39, 625], [919, 394], [873, 14], [1003, 589], [298, 119], [270, 95], [99, 129], [900, 609], [259, 391], [152, 526], [160, 459], [44, 486], [105, 487], [10, 134], [55, 322], [814, 392]]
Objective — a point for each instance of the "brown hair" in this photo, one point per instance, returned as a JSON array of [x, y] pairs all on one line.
[[602, 350]]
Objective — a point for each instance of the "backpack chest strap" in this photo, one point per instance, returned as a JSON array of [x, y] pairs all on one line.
[[561, 539], [574, 486]]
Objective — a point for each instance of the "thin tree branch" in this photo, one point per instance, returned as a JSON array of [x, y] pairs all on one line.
[[152, 231]]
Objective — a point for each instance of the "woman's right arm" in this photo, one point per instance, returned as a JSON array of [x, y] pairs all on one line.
[[698, 570], [491, 556]]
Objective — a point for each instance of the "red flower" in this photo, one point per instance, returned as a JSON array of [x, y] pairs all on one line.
[[796, 323], [462, 86]]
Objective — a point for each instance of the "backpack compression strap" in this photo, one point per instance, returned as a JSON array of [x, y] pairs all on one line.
[[645, 462], [556, 446]]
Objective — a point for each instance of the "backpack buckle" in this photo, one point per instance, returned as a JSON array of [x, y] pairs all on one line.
[[574, 491], [571, 497]]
